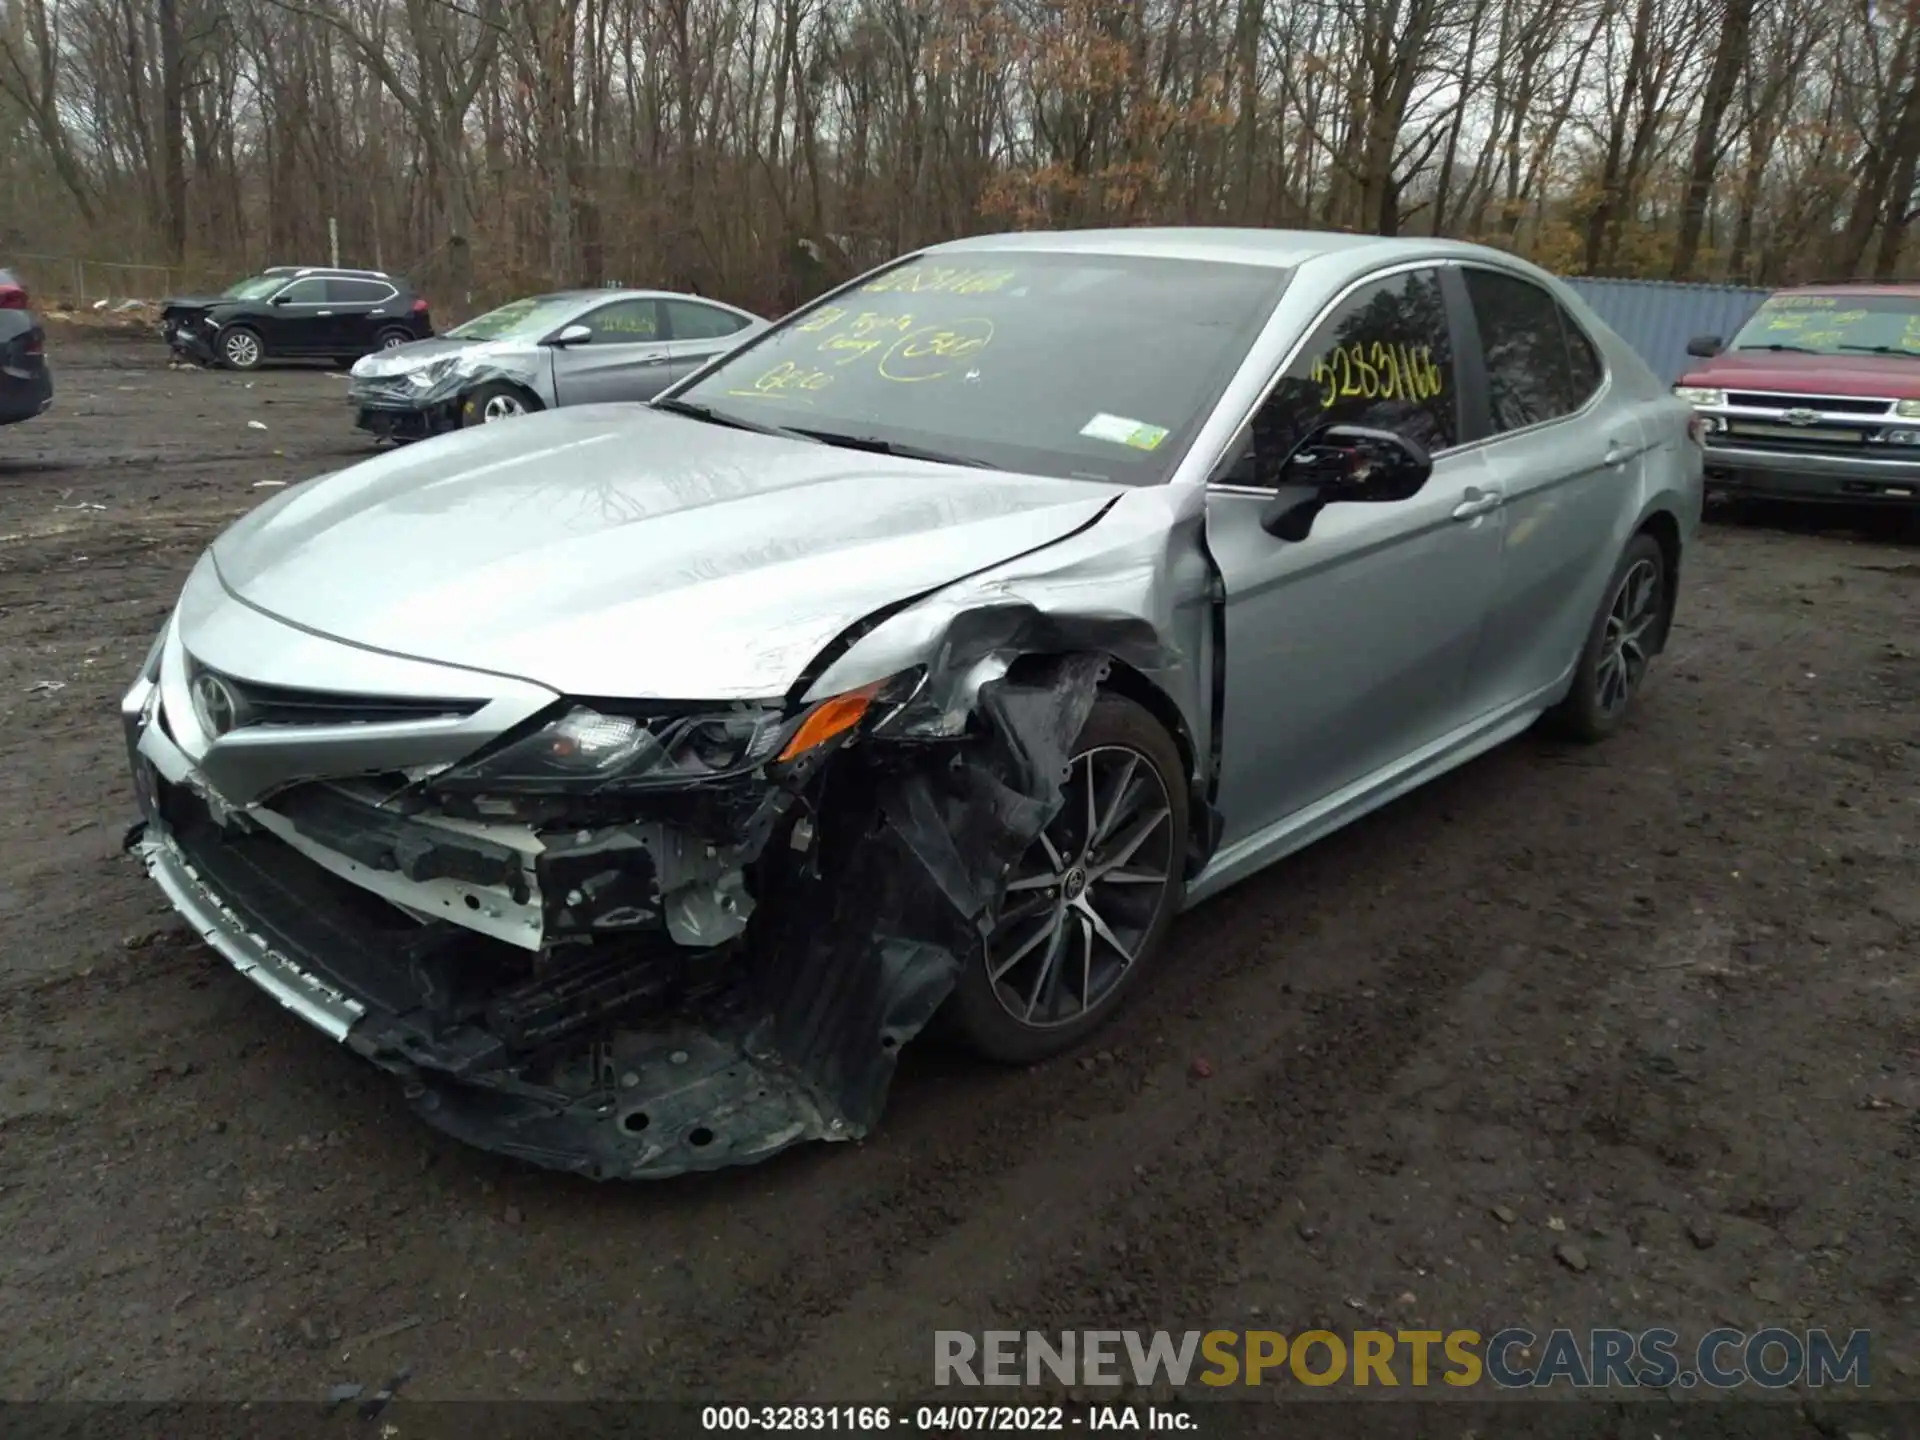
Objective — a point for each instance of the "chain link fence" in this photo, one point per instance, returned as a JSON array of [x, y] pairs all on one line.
[[80, 283]]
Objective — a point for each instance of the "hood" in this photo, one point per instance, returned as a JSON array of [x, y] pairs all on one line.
[[177, 303], [615, 550], [415, 353], [1877, 376]]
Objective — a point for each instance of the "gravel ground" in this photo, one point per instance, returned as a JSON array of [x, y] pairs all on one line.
[[1616, 1036]]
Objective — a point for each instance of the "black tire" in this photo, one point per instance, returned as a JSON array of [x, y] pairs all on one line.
[[981, 1011], [1608, 677], [391, 337], [495, 400], [241, 348]]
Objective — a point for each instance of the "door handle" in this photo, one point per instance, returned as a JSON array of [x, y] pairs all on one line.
[[1618, 453], [1477, 502], [323, 312], [652, 360]]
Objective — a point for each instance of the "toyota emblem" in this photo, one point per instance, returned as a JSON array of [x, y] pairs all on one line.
[[214, 704], [1801, 417]]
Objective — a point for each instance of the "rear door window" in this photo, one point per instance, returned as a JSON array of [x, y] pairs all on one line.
[[358, 292], [1530, 369], [690, 320]]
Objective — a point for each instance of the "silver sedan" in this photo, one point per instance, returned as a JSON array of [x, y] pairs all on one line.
[[635, 783], [575, 347]]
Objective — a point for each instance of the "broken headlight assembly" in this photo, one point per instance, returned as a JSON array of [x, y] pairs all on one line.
[[585, 750]]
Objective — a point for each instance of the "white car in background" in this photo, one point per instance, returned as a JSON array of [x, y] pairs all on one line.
[[573, 347]]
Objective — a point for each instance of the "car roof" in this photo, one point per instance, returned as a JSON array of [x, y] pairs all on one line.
[[1281, 249], [582, 296], [1855, 287]]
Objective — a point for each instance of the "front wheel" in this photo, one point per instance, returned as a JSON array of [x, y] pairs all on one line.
[[1090, 903], [496, 400], [1625, 636], [241, 349]]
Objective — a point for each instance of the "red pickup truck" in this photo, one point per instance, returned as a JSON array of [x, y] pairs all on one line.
[[1817, 397]]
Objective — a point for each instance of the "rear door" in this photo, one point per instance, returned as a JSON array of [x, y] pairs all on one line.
[[698, 332], [1566, 453], [626, 357], [1348, 651], [359, 309]]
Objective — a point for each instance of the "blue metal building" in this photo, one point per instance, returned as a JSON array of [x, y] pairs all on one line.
[[1658, 317]]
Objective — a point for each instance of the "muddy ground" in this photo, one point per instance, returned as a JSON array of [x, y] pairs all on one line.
[[1652, 1005]]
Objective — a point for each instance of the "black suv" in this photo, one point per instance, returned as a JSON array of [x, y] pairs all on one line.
[[304, 311], [26, 384]]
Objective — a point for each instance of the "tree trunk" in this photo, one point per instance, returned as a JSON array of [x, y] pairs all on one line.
[[1729, 55]]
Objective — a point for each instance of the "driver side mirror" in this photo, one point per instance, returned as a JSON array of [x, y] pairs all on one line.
[[1704, 346], [281, 299], [571, 335], [1343, 464]]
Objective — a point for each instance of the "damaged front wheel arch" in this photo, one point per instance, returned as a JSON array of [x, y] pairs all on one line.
[[1088, 907]]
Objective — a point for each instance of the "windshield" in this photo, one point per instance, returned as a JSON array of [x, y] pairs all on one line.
[[1088, 366], [1835, 325], [258, 288], [527, 319]]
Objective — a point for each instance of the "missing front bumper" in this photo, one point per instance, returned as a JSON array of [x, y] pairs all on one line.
[[624, 1058]]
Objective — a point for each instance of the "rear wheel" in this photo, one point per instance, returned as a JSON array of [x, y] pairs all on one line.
[[496, 400], [392, 339], [1620, 646], [241, 349], [1089, 905]]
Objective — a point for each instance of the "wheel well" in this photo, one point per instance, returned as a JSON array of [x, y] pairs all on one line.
[[532, 400], [1666, 533], [1122, 679]]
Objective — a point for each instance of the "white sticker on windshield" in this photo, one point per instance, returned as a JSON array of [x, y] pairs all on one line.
[[1122, 431]]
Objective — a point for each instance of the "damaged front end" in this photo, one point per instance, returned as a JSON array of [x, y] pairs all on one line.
[[420, 390], [631, 940]]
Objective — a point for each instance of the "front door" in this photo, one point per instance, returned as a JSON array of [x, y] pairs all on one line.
[[299, 319], [1349, 650], [625, 357], [698, 332]]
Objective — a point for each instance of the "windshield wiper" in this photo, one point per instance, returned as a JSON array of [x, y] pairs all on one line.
[[716, 417], [1882, 350], [1797, 349], [891, 447]]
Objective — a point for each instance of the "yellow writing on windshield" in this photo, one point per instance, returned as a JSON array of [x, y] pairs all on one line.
[[1849, 317], [1377, 371], [939, 279], [933, 350], [1801, 302], [786, 381], [1822, 337], [1790, 322], [864, 334], [825, 320]]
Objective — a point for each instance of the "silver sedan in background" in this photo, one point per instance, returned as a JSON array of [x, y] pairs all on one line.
[[634, 782], [574, 347]]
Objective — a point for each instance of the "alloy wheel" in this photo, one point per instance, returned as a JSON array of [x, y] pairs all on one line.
[[501, 407], [1624, 646], [1084, 898], [393, 341], [242, 350]]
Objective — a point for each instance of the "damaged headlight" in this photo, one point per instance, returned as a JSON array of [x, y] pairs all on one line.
[[430, 375], [586, 750]]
